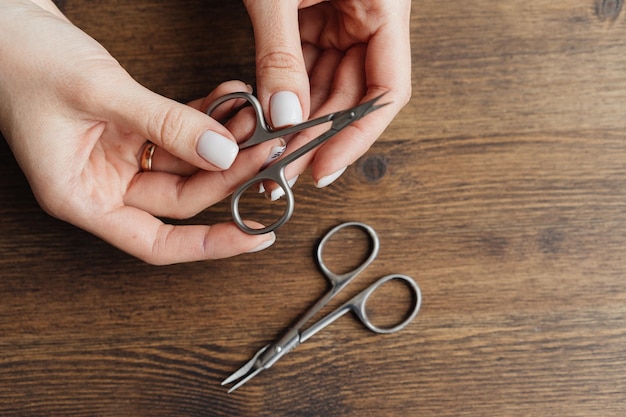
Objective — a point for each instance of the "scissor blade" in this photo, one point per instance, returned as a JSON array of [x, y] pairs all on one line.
[[247, 368], [344, 118], [359, 111], [246, 379], [339, 120], [369, 106]]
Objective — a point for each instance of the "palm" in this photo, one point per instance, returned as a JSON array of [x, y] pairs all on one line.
[[111, 168]]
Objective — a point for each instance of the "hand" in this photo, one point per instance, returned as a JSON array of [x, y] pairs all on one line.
[[76, 122], [343, 52]]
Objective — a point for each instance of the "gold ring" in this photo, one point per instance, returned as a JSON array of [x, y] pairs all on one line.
[[147, 152]]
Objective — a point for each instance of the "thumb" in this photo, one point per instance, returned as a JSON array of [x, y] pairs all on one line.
[[283, 83], [179, 129]]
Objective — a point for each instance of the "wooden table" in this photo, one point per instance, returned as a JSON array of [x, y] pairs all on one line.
[[501, 188]]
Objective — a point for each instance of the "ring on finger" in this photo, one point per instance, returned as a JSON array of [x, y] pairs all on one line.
[[145, 157]]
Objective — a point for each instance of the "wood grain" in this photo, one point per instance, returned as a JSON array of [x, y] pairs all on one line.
[[500, 188]]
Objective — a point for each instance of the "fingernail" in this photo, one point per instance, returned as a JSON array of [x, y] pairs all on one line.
[[275, 153], [217, 149], [266, 244], [329, 179], [279, 192], [285, 109]]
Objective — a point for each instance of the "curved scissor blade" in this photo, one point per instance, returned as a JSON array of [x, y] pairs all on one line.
[[247, 371], [343, 118], [246, 379], [340, 120]]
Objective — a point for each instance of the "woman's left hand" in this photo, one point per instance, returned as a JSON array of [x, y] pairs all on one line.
[[322, 56]]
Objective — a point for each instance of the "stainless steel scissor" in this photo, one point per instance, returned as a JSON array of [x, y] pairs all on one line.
[[297, 334], [276, 171]]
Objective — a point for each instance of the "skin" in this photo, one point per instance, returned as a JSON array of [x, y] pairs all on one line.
[[76, 121], [334, 55]]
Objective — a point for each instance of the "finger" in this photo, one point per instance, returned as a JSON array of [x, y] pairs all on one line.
[[351, 143], [320, 26], [222, 89], [282, 79], [388, 69], [163, 161], [239, 119], [348, 88], [322, 70], [145, 237], [179, 129], [242, 124], [311, 54], [322, 78], [167, 195]]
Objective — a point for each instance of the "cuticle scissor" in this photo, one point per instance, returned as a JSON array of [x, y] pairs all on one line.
[[276, 171], [298, 333]]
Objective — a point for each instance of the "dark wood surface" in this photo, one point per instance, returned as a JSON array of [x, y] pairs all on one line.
[[501, 188]]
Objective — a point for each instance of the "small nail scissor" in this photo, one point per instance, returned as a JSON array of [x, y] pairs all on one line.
[[297, 334], [276, 171]]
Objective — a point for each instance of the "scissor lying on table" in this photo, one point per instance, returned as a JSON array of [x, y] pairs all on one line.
[[276, 172], [297, 334]]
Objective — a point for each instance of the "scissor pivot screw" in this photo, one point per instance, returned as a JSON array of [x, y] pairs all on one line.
[[278, 349]]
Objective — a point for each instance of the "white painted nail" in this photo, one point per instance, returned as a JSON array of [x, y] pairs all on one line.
[[329, 179], [285, 109], [275, 153], [217, 149], [266, 244], [279, 192]]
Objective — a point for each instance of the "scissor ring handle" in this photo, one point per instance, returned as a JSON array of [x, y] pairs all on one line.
[[275, 173], [261, 130], [359, 302], [250, 98], [342, 279]]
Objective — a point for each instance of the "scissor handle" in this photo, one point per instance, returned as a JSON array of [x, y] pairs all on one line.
[[261, 132], [359, 302], [340, 280], [358, 305], [275, 173]]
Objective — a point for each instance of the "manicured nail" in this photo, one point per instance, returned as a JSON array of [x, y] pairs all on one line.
[[217, 149], [279, 192], [285, 109], [329, 179], [266, 244], [275, 153]]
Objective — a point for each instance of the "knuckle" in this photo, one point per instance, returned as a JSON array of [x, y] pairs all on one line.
[[159, 253], [275, 60], [167, 126]]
